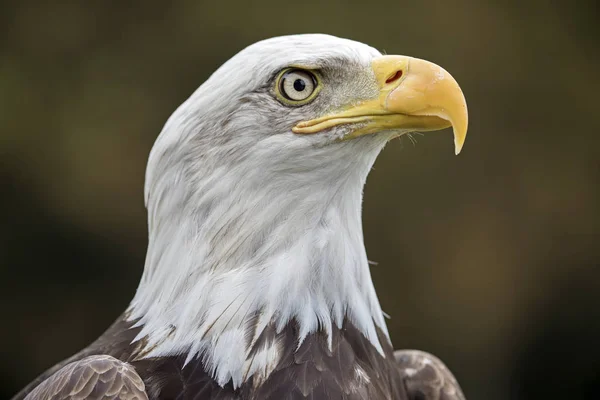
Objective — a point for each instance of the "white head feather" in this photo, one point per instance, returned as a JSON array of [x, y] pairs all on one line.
[[248, 220]]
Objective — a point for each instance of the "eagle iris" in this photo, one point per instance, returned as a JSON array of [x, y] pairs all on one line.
[[297, 86]]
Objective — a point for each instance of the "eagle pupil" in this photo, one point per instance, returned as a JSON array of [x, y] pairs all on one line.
[[299, 85]]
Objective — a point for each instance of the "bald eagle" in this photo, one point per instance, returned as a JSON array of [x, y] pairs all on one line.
[[256, 283]]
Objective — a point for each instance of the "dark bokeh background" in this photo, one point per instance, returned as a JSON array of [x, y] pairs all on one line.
[[489, 260]]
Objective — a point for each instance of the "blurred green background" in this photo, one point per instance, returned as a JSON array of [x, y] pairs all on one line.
[[489, 260]]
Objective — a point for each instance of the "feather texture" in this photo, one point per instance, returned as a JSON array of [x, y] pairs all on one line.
[[312, 371], [100, 377], [352, 369]]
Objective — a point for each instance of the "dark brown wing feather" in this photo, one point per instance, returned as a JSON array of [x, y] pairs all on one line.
[[425, 377], [116, 342], [95, 377]]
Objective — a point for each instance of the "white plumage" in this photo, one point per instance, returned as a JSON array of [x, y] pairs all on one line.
[[246, 218]]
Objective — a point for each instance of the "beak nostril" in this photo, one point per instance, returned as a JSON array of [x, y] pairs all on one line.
[[397, 75]]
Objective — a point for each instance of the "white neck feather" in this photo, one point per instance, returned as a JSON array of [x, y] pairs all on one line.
[[247, 243]]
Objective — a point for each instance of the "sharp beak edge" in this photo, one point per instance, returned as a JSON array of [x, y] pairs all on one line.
[[414, 95]]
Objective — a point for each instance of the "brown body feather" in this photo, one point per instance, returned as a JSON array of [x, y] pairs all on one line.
[[352, 370]]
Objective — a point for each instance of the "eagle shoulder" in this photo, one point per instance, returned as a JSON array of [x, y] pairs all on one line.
[[426, 377], [93, 377]]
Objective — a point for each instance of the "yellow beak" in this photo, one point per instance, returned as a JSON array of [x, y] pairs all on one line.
[[414, 95]]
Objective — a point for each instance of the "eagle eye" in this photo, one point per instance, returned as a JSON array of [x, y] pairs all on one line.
[[296, 86]]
